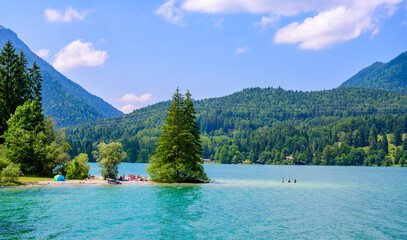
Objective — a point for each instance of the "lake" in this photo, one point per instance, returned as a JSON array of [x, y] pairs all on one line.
[[245, 202]]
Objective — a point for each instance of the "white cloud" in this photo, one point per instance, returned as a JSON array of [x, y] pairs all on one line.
[[241, 50], [42, 53], [333, 21], [70, 14], [128, 108], [278, 7], [325, 29], [132, 98], [266, 22], [78, 54], [170, 12]]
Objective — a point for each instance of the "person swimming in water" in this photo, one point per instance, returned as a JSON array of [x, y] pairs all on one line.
[[295, 180], [289, 180], [282, 180]]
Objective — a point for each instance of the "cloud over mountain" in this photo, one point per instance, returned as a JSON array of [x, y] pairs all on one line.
[[79, 54]]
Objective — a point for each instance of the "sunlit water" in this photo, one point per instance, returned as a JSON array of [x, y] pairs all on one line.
[[245, 202]]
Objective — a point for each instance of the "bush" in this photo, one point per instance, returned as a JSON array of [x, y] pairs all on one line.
[[10, 172], [78, 168]]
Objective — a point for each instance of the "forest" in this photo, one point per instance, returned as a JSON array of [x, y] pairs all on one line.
[[343, 126]]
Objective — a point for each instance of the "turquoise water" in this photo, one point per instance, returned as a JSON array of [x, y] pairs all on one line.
[[245, 202]]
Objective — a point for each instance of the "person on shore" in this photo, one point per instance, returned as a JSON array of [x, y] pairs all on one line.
[[289, 180], [59, 177], [282, 180]]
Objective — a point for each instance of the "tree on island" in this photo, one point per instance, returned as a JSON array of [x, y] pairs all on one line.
[[178, 155], [109, 157]]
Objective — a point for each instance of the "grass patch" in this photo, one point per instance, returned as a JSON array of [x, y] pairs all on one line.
[[33, 179]]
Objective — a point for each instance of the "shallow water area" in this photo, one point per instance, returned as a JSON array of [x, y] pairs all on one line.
[[245, 201]]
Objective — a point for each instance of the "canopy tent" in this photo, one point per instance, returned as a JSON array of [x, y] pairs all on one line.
[[59, 178]]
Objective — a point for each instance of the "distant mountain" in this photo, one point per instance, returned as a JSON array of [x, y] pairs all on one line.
[[391, 76], [65, 101]]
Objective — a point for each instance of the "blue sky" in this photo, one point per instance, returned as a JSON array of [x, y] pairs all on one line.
[[135, 53]]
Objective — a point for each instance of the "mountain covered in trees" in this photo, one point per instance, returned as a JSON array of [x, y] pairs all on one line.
[[65, 101], [390, 76], [271, 125]]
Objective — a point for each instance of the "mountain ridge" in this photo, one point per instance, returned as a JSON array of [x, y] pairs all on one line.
[[391, 76], [83, 106]]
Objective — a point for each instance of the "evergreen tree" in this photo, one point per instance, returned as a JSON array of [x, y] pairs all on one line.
[[35, 83], [373, 139], [15, 85], [397, 136], [384, 143], [191, 147], [177, 158]]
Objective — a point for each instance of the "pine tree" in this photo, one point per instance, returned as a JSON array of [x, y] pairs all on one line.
[[384, 143], [398, 140], [35, 83], [373, 139], [177, 158], [14, 83], [191, 162]]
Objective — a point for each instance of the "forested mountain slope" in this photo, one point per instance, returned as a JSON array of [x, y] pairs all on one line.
[[253, 116], [65, 101], [390, 76]]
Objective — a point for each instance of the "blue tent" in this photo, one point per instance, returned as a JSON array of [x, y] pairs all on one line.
[[59, 178]]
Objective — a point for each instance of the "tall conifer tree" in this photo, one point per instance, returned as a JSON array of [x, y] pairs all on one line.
[[35, 83], [177, 158], [15, 85]]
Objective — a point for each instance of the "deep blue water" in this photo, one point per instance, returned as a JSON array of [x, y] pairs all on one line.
[[245, 202]]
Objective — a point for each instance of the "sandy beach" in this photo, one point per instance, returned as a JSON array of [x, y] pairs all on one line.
[[97, 181]]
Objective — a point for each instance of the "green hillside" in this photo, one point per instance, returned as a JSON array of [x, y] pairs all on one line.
[[65, 101], [256, 122], [390, 76]]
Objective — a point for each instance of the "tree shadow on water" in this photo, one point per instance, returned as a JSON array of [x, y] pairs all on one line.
[[180, 210]]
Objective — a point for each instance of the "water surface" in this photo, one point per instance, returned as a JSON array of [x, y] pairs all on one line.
[[246, 201]]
